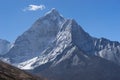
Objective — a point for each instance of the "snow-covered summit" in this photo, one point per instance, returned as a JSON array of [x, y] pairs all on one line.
[[68, 43], [53, 12], [33, 41], [53, 38]]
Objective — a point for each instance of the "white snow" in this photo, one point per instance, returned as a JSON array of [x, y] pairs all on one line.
[[27, 64], [36, 39], [49, 37]]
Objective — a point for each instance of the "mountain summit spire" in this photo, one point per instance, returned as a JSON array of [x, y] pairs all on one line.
[[57, 44], [53, 11], [53, 14]]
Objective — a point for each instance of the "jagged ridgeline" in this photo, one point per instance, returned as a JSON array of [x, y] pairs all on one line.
[[60, 49]]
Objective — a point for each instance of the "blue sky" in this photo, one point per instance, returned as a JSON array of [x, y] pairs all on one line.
[[100, 18]]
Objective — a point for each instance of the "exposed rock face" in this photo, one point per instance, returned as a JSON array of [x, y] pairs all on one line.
[[32, 42], [60, 49], [54, 29], [107, 49], [66, 57], [79, 66], [71, 33]]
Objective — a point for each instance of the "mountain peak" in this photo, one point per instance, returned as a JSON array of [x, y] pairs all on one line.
[[53, 14], [71, 25], [58, 44], [52, 11], [37, 38]]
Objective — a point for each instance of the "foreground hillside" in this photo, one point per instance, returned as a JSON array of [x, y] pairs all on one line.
[[8, 72]]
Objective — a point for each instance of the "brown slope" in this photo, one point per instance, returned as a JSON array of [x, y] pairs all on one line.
[[8, 72]]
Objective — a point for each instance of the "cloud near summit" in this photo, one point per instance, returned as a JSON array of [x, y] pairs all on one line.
[[33, 7]]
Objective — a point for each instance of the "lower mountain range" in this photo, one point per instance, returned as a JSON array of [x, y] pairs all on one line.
[[59, 49]]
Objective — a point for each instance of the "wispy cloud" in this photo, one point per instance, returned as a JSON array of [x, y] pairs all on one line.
[[33, 7]]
